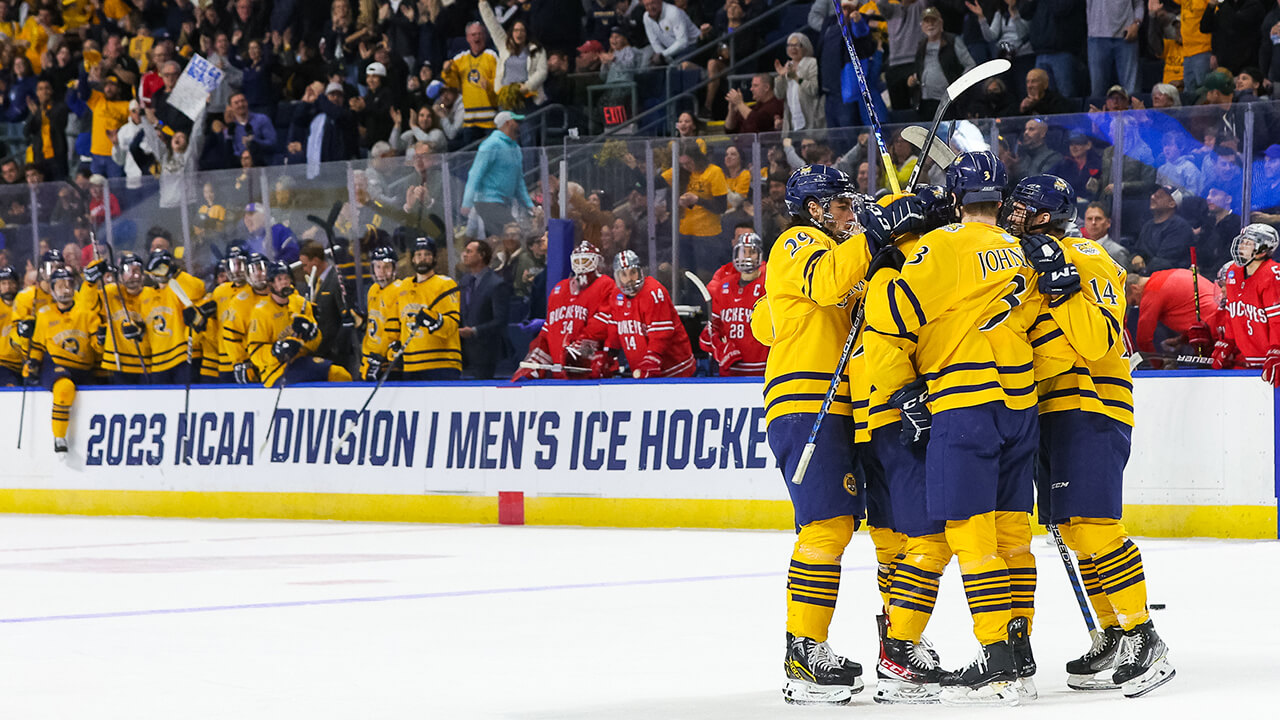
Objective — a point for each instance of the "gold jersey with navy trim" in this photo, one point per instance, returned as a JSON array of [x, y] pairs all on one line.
[[134, 355], [234, 317], [423, 350], [68, 338], [382, 323], [966, 299], [211, 338], [886, 363], [10, 353], [270, 321], [1099, 380], [166, 327], [809, 297]]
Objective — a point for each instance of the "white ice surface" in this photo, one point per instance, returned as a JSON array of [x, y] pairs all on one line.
[[143, 618]]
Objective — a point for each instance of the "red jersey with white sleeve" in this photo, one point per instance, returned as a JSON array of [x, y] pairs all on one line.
[[572, 314], [649, 332], [1251, 318], [728, 336]]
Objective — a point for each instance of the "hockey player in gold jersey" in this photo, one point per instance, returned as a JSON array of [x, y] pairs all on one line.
[[283, 334], [125, 304], [815, 273], [66, 343], [428, 307], [211, 338], [234, 317], [1086, 417], [177, 315], [383, 320], [11, 355], [29, 300]]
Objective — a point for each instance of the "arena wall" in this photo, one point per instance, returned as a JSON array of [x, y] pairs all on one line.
[[629, 454]]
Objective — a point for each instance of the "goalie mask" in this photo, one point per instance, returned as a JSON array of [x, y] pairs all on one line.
[[832, 191], [1255, 242], [62, 286], [1033, 197], [628, 273], [586, 260], [256, 272], [131, 276], [748, 253]]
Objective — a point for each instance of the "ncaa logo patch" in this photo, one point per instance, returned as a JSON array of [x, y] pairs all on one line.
[[851, 484]]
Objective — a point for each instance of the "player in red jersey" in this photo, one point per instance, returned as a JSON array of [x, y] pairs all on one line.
[[735, 288], [577, 321], [1250, 322], [643, 324]]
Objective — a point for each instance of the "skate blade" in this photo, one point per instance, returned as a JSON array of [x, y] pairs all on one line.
[[1155, 676], [1092, 683], [898, 692], [800, 692], [1027, 690], [996, 693]]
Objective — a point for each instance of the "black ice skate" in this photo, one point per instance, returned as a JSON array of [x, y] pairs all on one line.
[[907, 674], [990, 679], [1093, 670], [1023, 661], [817, 676], [59, 445], [1143, 664]]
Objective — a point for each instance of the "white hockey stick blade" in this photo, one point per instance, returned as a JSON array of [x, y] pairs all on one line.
[[697, 282], [988, 69], [939, 153]]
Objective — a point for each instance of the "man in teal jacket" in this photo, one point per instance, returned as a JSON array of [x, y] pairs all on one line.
[[496, 179]]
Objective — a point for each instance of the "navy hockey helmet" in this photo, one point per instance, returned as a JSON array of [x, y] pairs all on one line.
[[1033, 196], [8, 274], [822, 184], [976, 177], [50, 260], [275, 270], [62, 286]]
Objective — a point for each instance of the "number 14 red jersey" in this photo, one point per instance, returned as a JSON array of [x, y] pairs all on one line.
[[647, 329]]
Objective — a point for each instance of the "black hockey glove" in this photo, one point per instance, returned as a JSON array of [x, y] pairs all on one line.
[[913, 401], [429, 322], [26, 328], [304, 328], [94, 270], [1059, 279], [376, 364], [131, 331], [285, 350], [889, 258], [101, 335], [395, 349], [883, 224]]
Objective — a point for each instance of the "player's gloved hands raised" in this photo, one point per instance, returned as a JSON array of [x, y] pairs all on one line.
[[25, 328], [131, 331], [1200, 338], [427, 321], [376, 364], [93, 271], [649, 366], [604, 365], [1271, 367], [304, 327], [285, 350], [1224, 355], [884, 224], [913, 400]]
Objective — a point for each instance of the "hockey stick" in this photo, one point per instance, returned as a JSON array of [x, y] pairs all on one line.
[[22, 378], [271, 419], [106, 298], [1195, 289], [186, 396], [986, 70], [803, 466], [867, 103], [939, 153], [1074, 577], [552, 367]]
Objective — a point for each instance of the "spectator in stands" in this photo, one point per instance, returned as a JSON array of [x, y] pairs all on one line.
[[1196, 45], [1269, 50], [218, 53], [1235, 29], [495, 180], [1082, 167], [1164, 95], [22, 88], [1219, 229], [1097, 227], [449, 111], [485, 300], [941, 57], [324, 126], [1166, 307], [670, 31], [46, 129], [1042, 99], [97, 208], [703, 198], [1178, 170], [729, 27], [247, 130], [1007, 33], [322, 280], [1223, 169], [687, 126], [256, 70], [110, 108], [766, 116], [1266, 187], [1034, 156], [421, 129], [1113, 43], [1166, 241], [904, 22], [797, 85], [533, 263], [282, 243], [736, 173], [995, 102], [620, 65], [522, 63], [472, 73], [1056, 31]]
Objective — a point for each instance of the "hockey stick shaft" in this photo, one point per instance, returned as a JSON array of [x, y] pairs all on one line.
[[867, 102], [1074, 577], [803, 466], [1195, 282], [137, 344]]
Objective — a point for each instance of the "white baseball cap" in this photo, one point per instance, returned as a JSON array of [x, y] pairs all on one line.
[[504, 117], [376, 68]]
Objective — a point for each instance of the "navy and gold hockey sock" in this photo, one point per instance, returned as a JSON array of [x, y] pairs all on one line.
[[1097, 598], [813, 580], [1124, 581], [915, 586]]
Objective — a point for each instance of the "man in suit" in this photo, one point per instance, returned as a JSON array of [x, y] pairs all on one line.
[[336, 344], [485, 299]]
